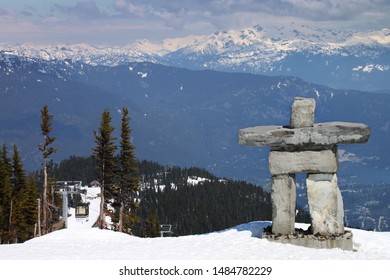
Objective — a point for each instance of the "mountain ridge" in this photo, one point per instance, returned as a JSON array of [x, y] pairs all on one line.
[[340, 59], [172, 109], [187, 117], [288, 38]]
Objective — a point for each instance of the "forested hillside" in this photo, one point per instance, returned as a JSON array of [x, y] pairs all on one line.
[[192, 200], [180, 117]]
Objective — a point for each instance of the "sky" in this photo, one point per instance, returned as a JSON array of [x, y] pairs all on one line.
[[121, 22]]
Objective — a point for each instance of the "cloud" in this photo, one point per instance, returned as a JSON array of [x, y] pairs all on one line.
[[80, 11], [211, 15], [123, 21], [328, 9], [16, 29], [4, 12], [51, 20], [305, 9]]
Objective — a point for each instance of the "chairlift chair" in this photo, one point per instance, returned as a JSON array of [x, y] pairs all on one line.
[[82, 210], [166, 230]]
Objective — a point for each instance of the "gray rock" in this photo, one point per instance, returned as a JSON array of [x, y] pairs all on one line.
[[325, 204], [302, 112], [324, 161], [311, 241], [283, 199], [322, 134]]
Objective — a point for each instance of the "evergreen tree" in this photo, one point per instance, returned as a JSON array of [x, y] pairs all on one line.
[[18, 206], [6, 191], [155, 225], [7, 210], [128, 181], [46, 127], [18, 174], [152, 225], [105, 161], [210, 205], [25, 212], [75, 168], [29, 209], [2, 175], [18, 197]]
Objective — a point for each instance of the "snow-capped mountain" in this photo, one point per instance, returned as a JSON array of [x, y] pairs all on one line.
[[188, 118], [341, 59]]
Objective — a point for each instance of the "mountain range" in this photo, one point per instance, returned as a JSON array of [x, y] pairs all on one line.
[[188, 97], [339, 59], [179, 116]]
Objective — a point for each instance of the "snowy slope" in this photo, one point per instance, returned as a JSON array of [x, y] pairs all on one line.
[[243, 242]]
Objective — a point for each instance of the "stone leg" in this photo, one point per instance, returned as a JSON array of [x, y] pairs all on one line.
[[283, 197], [325, 204]]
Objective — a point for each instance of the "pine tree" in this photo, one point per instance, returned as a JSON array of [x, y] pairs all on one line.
[[26, 211], [152, 226], [18, 173], [6, 196], [128, 181], [17, 200], [156, 225], [30, 206], [105, 161], [46, 127], [2, 175], [18, 197]]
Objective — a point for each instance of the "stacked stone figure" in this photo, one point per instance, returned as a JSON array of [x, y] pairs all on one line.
[[305, 147]]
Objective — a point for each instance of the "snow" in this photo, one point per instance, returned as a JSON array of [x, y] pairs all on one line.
[[194, 180], [369, 67], [253, 46], [83, 242], [105, 253], [317, 93], [143, 75]]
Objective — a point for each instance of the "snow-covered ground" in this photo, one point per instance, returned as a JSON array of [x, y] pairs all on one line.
[[82, 242]]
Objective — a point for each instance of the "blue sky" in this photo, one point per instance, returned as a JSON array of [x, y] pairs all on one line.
[[121, 22]]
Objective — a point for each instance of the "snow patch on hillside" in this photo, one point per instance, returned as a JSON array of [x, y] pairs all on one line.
[[369, 67]]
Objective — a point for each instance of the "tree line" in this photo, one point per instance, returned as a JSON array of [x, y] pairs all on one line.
[[24, 213], [167, 197], [18, 199], [29, 209], [137, 195], [208, 205]]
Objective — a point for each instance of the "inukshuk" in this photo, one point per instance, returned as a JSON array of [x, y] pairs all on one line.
[[305, 147]]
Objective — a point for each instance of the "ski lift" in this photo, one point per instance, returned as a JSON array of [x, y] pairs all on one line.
[[166, 230], [82, 210]]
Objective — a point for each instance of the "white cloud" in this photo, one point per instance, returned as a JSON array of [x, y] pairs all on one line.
[[156, 20]]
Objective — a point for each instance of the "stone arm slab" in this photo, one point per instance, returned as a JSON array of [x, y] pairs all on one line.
[[321, 134]]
